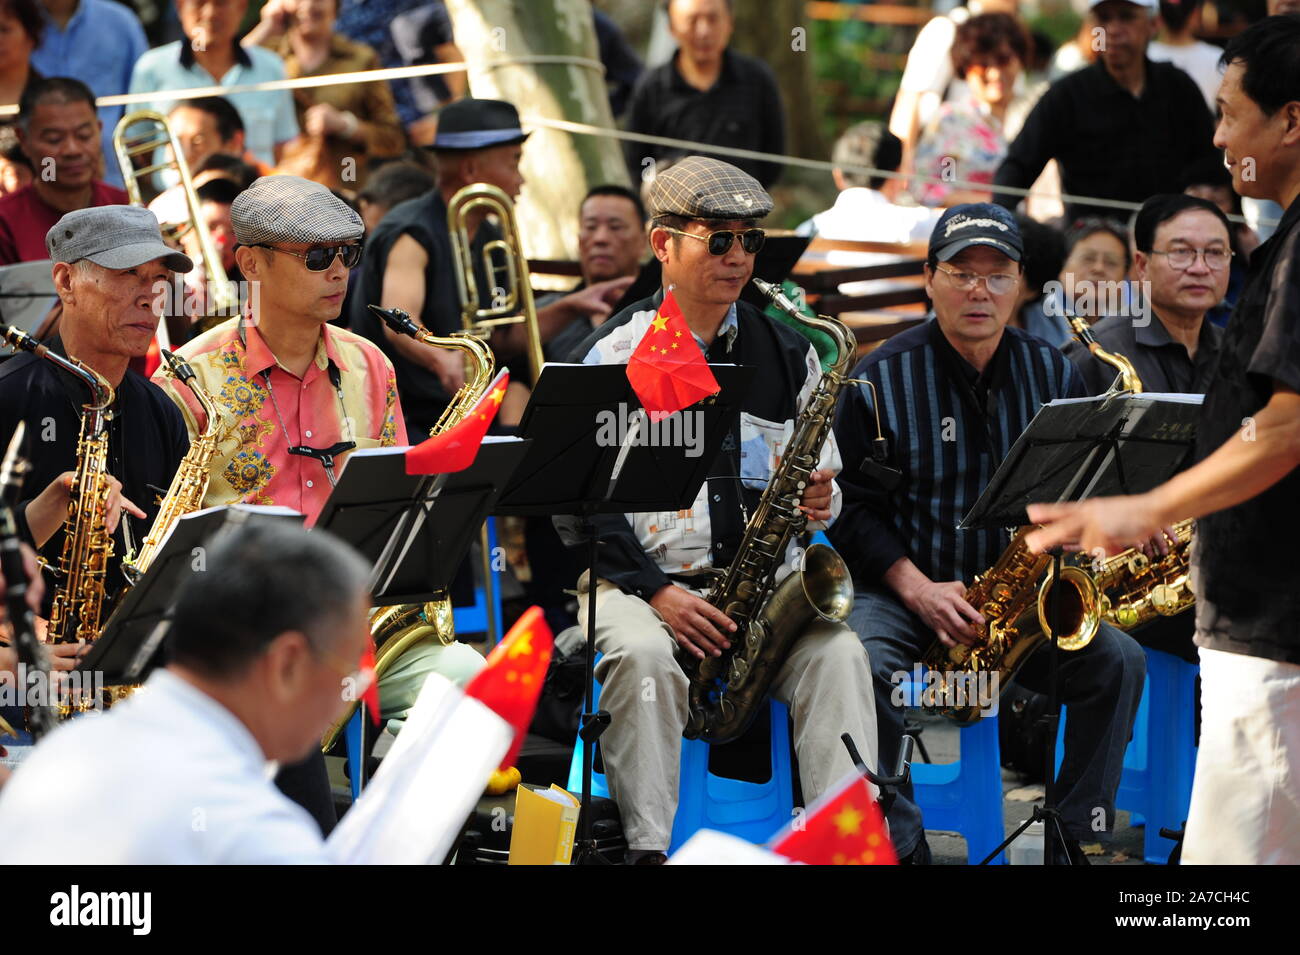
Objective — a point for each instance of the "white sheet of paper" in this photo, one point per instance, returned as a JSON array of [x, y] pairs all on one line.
[[709, 847], [427, 785]]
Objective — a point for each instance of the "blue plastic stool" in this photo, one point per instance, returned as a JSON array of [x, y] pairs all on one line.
[[965, 796], [473, 618], [1156, 785], [752, 811]]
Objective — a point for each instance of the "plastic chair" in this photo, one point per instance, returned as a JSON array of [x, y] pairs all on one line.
[[752, 811], [965, 796], [1160, 761], [473, 618]]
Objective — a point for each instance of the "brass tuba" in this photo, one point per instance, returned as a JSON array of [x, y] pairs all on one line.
[[512, 302], [397, 628], [221, 299], [726, 691]]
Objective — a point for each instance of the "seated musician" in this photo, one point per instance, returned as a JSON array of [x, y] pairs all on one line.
[[178, 774], [954, 394], [109, 264], [303, 392], [653, 568]]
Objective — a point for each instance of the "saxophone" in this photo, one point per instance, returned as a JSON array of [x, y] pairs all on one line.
[[87, 546], [1015, 606], [396, 629], [725, 691], [1137, 589], [190, 482]]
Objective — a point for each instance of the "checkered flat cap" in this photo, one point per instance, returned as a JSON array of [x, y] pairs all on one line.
[[292, 209], [702, 188]]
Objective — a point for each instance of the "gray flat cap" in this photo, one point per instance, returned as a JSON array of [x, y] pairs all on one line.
[[702, 188], [116, 237], [292, 209]]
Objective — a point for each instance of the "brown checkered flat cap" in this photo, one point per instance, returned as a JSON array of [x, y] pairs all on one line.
[[292, 209], [702, 188]]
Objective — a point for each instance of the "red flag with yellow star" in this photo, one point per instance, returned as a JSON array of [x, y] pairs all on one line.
[[668, 371], [512, 680], [844, 827], [456, 448], [370, 695]]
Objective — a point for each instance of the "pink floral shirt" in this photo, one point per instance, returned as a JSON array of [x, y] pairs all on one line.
[[962, 142], [252, 464]]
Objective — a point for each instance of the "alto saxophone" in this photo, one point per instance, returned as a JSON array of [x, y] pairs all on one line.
[[1015, 606], [397, 628], [190, 482], [87, 545], [1137, 589], [725, 691]]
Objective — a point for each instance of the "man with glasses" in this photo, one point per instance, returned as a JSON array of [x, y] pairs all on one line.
[[653, 568], [302, 392], [1184, 251], [950, 397]]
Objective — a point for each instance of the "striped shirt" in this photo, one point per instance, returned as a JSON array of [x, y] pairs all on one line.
[[948, 428]]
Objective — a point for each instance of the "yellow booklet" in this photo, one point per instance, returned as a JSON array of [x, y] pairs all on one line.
[[545, 823]]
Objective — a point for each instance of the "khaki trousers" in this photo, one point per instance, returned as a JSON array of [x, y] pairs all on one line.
[[826, 683]]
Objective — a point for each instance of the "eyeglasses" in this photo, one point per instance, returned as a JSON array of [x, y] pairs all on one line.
[[999, 283], [320, 259], [1181, 259], [751, 240]]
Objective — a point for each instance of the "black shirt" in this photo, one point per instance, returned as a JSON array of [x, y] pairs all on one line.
[[742, 110], [1161, 363], [1108, 143], [948, 429], [146, 441], [424, 218], [1244, 566]]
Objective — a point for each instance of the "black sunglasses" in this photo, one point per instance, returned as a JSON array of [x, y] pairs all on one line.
[[719, 243], [320, 259]]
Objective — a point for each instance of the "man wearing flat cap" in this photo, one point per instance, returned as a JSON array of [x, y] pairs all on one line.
[[654, 568], [952, 396], [409, 262], [111, 270]]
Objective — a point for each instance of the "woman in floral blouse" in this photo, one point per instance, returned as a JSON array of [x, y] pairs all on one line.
[[967, 140]]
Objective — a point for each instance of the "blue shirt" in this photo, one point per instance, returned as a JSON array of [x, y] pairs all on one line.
[[268, 116], [371, 22], [99, 46]]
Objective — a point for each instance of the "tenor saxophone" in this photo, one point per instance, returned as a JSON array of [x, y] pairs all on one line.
[[190, 482], [396, 629], [726, 691]]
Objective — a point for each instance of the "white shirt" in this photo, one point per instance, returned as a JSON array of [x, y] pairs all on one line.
[[865, 215], [167, 777], [1198, 60]]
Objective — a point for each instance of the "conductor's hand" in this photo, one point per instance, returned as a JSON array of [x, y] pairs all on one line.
[[698, 626], [943, 608], [816, 501]]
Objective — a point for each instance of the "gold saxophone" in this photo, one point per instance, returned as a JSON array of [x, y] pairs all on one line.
[[397, 628], [190, 482], [1015, 606], [1137, 589], [726, 691]]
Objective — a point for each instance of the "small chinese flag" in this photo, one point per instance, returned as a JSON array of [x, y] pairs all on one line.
[[456, 448], [845, 828], [668, 371], [370, 696], [512, 680]]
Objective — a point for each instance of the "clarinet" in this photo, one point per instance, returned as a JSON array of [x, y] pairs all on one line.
[[41, 716]]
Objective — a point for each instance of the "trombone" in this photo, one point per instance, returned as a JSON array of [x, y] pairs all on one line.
[[504, 265], [221, 298]]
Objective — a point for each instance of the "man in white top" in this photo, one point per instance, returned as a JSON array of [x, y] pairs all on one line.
[[261, 642], [1177, 44]]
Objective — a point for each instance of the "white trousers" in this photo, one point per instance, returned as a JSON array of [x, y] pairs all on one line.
[[1246, 794]]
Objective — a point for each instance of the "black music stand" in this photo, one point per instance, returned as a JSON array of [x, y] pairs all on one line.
[[1077, 448], [131, 644], [572, 468], [413, 529]]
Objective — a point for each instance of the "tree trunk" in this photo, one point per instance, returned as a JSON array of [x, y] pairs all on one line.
[[778, 33], [559, 166]]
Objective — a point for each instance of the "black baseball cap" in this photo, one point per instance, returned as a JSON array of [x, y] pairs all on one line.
[[976, 223]]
